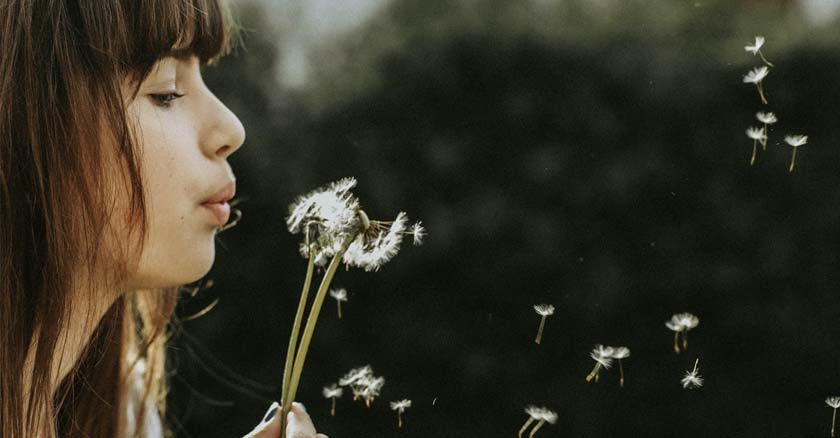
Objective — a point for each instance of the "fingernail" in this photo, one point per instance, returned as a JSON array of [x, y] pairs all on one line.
[[271, 411]]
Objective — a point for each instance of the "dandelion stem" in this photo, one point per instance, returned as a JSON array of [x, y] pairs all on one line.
[[311, 321], [764, 140], [525, 427], [621, 370], [399, 419], [290, 352], [685, 339], [540, 331], [339, 308], [770, 64], [676, 342], [332, 409], [761, 92], [594, 372], [793, 160], [536, 428], [833, 417], [755, 147]]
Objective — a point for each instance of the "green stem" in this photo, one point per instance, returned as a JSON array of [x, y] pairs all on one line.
[[311, 321], [536, 428], [525, 427], [290, 353], [792, 160]]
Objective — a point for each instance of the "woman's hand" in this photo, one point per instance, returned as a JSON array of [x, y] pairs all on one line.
[[298, 424]]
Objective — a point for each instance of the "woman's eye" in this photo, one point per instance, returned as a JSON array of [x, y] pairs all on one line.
[[164, 100]]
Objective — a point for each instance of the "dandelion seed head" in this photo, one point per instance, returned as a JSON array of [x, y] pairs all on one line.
[[767, 118], [400, 405], [673, 325], [692, 380], [833, 402], [332, 391], [356, 375], [756, 75], [621, 353], [326, 216], [339, 294], [371, 253], [544, 309], [687, 320], [759, 41], [796, 140], [755, 133]]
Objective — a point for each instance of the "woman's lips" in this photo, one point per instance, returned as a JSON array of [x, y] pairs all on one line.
[[220, 210]]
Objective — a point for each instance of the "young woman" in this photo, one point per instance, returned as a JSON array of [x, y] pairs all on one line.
[[113, 182]]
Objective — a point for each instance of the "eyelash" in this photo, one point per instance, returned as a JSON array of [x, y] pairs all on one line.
[[164, 100]]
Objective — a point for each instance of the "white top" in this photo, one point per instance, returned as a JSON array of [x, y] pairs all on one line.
[[151, 418]]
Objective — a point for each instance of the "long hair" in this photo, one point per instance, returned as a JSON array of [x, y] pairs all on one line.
[[67, 151]]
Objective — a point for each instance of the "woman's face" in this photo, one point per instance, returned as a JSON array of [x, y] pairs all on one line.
[[184, 144]]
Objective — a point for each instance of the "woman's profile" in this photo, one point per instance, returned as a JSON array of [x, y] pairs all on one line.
[[113, 183]]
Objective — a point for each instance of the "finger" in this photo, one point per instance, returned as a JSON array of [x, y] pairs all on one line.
[[270, 425], [299, 423], [321, 435]]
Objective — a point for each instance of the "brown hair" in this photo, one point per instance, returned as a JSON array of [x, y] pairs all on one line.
[[63, 133]]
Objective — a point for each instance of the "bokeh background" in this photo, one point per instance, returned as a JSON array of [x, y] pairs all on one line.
[[588, 154]]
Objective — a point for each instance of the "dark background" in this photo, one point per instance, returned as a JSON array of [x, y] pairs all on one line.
[[591, 157]]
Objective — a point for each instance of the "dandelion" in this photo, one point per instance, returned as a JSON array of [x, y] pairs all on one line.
[[544, 310], [603, 358], [400, 407], [767, 118], [834, 403], [795, 141], [681, 323], [621, 353], [757, 135], [541, 416], [755, 76], [756, 49], [339, 295], [335, 229], [332, 392], [692, 379]]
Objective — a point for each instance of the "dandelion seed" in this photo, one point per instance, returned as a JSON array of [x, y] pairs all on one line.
[[332, 392], [681, 323], [418, 233], [756, 49], [767, 118], [363, 384], [400, 407], [544, 310], [755, 76], [339, 295], [540, 414], [621, 353], [692, 379], [834, 403], [757, 135], [603, 358], [795, 141]]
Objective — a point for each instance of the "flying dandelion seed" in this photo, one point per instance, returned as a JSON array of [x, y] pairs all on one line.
[[541, 415], [766, 119], [339, 295], [692, 379], [757, 135], [681, 323], [363, 384], [834, 403], [334, 228], [795, 141], [755, 48], [755, 76], [544, 310], [618, 354], [603, 359], [400, 407], [418, 233], [332, 392]]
